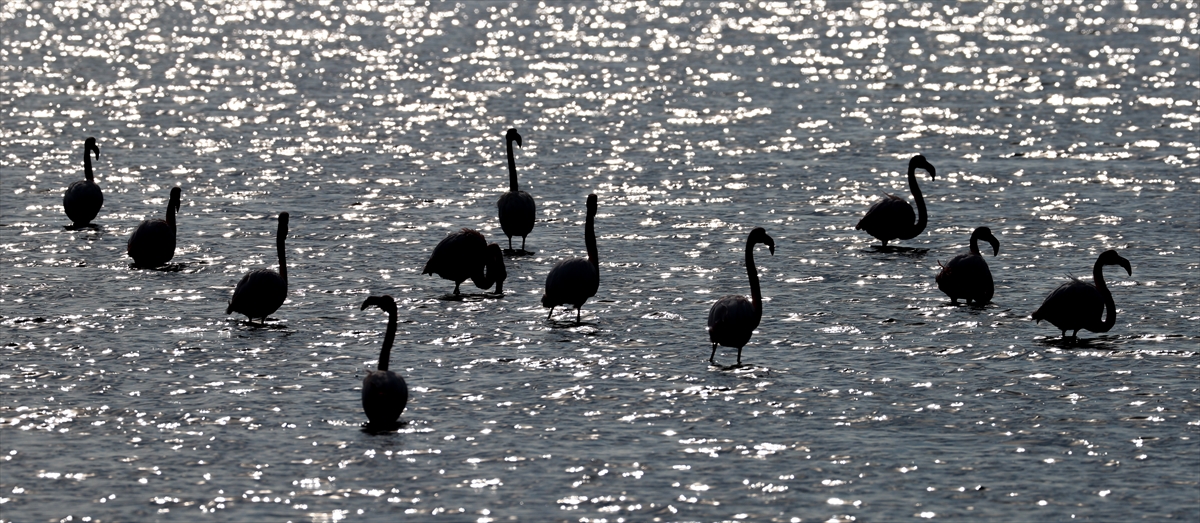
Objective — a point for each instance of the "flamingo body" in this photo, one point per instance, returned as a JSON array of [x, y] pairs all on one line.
[[83, 199], [261, 292], [891, 218], [465, 254], [153, 241], [574, 280]]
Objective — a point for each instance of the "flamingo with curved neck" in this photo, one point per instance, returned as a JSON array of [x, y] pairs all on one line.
[[891, 218], [384, 393], [732, 319], [967, 276], [1077, 305], [465, 254], [516, 207]]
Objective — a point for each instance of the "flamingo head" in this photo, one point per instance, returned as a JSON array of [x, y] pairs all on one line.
[[90, 146], [592, 204], [495, 266], [984, 233], [759, 235], [1110, 257], [513, 136], [385, 302], [175, 194], [919, 162]]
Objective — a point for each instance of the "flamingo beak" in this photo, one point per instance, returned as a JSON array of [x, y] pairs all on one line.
[[771, 247], [1128, 268], [995, 245]]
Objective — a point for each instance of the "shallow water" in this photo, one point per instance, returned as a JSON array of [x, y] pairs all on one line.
[[1066, 128]]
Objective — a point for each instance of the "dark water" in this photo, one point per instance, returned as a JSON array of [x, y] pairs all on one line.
[[1067, 128]]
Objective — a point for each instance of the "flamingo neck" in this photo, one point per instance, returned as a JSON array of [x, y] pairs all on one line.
[[171, 212], [589, 237], [922, 216], [752, 273], [385, 355], [282, 253], [975, 245], [1110, 306], [87, 165], [512, 167]]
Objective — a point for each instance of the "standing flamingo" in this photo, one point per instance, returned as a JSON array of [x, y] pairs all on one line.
[[153, 241], [83, 198], [384, 393], [574, 280], [733, 318], [466, 254], [262, 291], [516, 206], [891, 217], [1078, 305], [967, 276]]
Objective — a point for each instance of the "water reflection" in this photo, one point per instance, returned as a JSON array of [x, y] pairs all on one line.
[[1066, 128]]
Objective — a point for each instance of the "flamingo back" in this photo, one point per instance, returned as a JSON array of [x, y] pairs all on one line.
[[152, 243], [967, 276], [258, 294], [888, 218], [517, 213]]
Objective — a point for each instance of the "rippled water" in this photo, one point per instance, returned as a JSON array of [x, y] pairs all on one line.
[[1066, 127]]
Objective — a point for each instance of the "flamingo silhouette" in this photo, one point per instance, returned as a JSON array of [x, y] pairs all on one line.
[[384, 393], [153, 241], [83, 198], [967, 276], [891, 217], [1078, 305], [732, 319], [262, 291], [466, 254], [516, 207], [574, 280]]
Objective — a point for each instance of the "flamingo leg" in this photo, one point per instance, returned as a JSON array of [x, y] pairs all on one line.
[[711, 357], [522, 244], [739, 356], [551, 314], [578, 311], [510, 243], [456, 284]]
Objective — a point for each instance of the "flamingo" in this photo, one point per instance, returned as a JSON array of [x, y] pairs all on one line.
[[1078, 305], [262, 291], [891, 217], [384, 393], [516, 206], [967, 276], [574, 280], [466, 254], [732, 319], [153, 241], [83, 198]]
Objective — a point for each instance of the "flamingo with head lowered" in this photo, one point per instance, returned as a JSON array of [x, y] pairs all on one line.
[[732, 319], [890, 217], [466, 254]]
